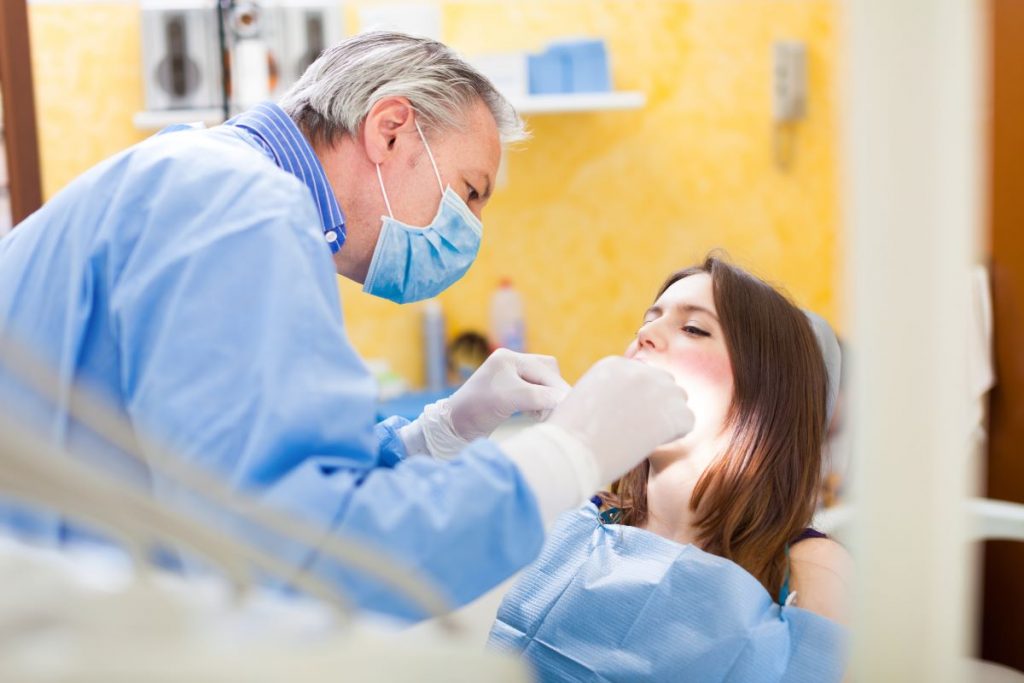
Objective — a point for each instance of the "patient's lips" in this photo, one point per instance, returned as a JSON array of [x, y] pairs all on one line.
[[644, 360], [654, 363]]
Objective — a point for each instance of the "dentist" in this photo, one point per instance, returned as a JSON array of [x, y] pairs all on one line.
[[190, 281]]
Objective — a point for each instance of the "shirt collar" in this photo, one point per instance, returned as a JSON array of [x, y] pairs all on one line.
[[282, 139]]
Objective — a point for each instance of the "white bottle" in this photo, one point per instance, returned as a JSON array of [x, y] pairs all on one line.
[[250, 59], [508, 329], [435, 360]]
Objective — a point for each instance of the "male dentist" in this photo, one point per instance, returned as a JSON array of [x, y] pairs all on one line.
[[190, 281]]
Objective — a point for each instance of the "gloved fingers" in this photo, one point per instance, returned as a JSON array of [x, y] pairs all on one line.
[[658, 379], [679, 418], [673, 403], [541, 415], [542, 370], [551, 394], [534, 398]]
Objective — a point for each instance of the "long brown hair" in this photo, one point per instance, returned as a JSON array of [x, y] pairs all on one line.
[[760, 493]]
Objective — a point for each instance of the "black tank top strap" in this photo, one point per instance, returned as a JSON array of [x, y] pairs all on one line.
[[807, 533]]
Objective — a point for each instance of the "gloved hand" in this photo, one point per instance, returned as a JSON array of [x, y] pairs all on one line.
[[621, 410], [507, 383], [618, 413]]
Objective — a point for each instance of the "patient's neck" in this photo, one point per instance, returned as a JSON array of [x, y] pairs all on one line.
[[674, 473]]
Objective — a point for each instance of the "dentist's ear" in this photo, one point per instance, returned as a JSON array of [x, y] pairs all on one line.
[[387, 118]]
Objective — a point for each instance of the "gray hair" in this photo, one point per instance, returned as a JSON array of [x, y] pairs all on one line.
[[335, 94]]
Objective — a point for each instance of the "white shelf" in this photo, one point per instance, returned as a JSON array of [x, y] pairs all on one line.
[[155, 120], [524, 104], [578, 102]]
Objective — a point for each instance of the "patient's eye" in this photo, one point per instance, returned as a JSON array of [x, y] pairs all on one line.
[[695, 331]]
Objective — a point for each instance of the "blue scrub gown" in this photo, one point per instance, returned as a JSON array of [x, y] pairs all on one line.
[[187, 282]]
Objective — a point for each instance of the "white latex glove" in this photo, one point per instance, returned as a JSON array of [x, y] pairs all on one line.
[[507, 383], [618, 413], [621, 410]]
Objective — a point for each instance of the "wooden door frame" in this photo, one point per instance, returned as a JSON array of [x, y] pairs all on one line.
[[1003, 591], [19, 110]]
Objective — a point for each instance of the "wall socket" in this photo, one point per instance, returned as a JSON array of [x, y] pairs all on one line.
[[789, 81]]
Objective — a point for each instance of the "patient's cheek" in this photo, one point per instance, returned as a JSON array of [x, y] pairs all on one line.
[[710, 368]]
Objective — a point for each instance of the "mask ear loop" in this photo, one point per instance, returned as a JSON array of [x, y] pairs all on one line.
[[384, 192], [429, 154]]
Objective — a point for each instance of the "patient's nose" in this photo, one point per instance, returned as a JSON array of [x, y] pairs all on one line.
[[650, 338]]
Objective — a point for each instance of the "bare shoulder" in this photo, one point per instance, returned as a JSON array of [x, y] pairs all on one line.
[[823, 551], [822, 571]]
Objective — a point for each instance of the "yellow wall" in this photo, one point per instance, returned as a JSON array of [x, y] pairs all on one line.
[[599, 207], [88, 82]]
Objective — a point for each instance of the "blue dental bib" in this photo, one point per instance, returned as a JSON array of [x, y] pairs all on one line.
[[618, 603]]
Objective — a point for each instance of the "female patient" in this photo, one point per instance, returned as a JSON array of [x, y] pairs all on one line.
[[700, 565]]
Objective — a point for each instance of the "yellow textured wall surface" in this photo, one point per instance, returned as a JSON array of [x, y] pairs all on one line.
[[599, 207], [88, 84]]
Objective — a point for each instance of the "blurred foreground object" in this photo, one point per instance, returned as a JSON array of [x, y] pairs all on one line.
[[85, 617]]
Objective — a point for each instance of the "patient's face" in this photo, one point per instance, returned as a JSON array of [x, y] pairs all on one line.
[[681, 334]]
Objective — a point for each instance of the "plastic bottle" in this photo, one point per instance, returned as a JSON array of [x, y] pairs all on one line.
[[508, 329], [434, 359]]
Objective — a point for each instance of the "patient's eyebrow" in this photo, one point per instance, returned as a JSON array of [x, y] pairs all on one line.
[[682, 307], [692, 308], [653, 310]]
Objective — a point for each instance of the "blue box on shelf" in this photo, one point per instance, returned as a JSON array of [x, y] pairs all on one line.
[[587, 65], [549, 74], [570, 66]]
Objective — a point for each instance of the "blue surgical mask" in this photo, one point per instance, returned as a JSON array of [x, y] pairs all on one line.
[[409, 263]]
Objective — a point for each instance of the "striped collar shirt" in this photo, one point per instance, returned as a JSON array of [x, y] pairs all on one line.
[[282, 139]]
